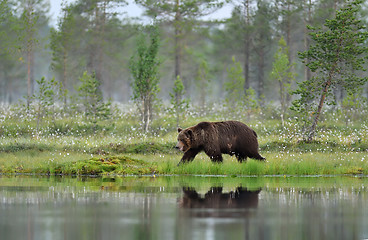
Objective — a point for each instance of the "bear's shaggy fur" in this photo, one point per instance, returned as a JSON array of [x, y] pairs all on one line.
[[215, 138]]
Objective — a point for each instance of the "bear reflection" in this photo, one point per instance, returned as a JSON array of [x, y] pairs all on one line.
[[215, 199]]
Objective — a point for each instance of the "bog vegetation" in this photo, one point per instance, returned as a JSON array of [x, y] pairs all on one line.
[[67, 142], [108, 93]]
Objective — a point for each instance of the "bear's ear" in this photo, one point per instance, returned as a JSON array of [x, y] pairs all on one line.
[[190, 133], [179, 130]]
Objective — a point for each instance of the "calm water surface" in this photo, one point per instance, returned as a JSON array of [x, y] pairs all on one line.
[[183, 208]]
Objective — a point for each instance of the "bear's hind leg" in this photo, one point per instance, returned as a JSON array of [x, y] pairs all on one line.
[[241, 158], [215, 157]]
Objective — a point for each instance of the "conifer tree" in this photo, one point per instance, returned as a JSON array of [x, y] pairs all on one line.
[[339, 51], [91, 98]]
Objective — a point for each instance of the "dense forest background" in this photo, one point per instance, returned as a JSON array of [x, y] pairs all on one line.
[[209, 56]]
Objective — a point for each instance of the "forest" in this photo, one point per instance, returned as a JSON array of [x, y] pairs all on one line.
[[93, 36]]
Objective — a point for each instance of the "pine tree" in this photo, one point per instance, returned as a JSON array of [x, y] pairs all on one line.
[[91, 98], [60, 44], [49, 93], [337, 54], [182, 14]]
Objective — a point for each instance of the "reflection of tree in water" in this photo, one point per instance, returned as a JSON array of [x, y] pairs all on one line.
[[215, 198]]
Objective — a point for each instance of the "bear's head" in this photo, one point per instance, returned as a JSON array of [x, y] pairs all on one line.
[[185, 139]]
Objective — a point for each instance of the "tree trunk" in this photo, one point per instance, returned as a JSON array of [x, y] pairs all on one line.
[[29, 50], [10, 92], [146, 113], [29, 84], [101, 32], [246, 46], [289, 44], [312, 130], [177, 40], [177, 47], [282, 101], [32, 71], [65, 57], [261, 69], [246, 67], [307, 21]]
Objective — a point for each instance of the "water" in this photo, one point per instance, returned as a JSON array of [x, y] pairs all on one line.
[[183, 208]]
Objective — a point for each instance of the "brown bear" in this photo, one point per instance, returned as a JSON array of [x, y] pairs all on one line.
[[215, 138]]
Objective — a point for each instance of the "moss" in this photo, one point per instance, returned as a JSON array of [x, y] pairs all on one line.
[[355, 171], [120, 165]]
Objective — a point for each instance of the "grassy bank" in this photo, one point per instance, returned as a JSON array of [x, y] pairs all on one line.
[[118, 147], [155, 158]]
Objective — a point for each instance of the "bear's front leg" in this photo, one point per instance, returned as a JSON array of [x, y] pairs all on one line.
[[188, 156]]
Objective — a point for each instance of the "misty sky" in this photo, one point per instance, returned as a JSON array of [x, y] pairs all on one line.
[[133, 10]]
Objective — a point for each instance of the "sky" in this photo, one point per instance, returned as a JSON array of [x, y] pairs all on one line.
[[55, 8], [134, 10]]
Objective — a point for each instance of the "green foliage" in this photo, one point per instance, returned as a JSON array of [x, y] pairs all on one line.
[[234, 86], [49, 94], [352, 104], [144, 69], [189, 9], [281, 72], [61, 44], [179, 105], [250, 100], [236, 100], [32, 13], [203, 80], [90, 96], [27, 26], [338, 52], [6, 20]]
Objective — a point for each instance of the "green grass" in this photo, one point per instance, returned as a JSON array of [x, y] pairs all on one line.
[[282, 163], [276, 164], [118, 147], [33, 161], [77, 156]]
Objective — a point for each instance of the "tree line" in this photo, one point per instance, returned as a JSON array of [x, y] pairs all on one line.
[[260, 55]]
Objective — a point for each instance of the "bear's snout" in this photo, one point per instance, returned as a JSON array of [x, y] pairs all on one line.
[[180, 146]]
